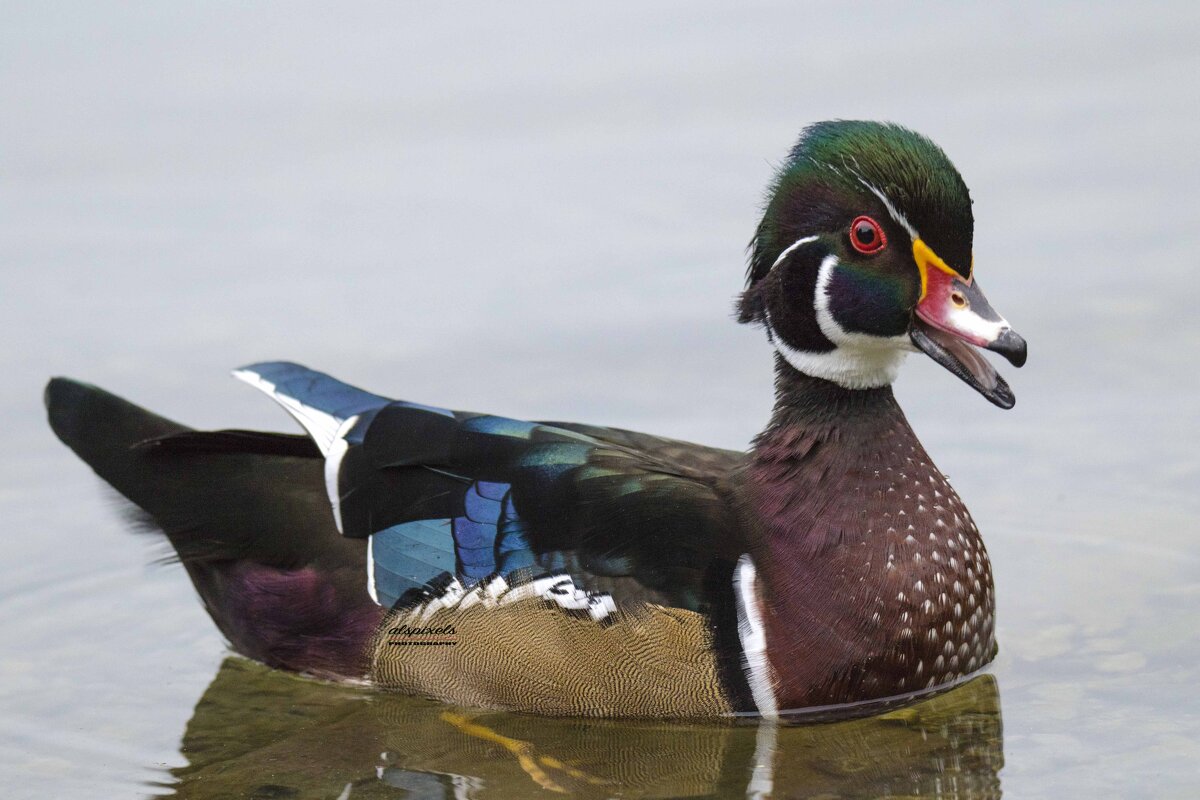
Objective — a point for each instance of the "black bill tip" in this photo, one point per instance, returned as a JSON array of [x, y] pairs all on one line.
[[1011, 346]]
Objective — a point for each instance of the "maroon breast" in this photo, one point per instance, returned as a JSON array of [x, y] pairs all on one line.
[[874, 579]]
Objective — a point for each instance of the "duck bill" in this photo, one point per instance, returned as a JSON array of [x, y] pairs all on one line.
[[953, 318]]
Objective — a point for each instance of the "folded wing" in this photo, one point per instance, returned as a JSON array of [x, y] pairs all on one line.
[[452, 500]]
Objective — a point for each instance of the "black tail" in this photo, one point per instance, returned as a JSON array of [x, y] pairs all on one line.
[[102, 429], [248, 515]]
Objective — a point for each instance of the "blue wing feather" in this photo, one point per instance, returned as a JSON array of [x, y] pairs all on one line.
[[488, 539], [447, 494]]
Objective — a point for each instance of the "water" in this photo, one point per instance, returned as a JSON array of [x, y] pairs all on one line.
[[542, 213]]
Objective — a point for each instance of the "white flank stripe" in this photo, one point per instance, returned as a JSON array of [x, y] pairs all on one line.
[[754, 638]]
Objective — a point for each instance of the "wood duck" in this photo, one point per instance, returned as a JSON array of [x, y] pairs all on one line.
[[572, 569]]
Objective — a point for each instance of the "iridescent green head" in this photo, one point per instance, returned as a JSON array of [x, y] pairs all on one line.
[[865, 250]]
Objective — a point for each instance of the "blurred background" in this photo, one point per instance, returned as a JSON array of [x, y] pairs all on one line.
[[542, 212]]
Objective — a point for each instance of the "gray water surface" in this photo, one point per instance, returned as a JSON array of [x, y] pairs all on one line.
[[542, 213]]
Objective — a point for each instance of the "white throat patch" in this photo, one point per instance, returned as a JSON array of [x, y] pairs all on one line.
[[858, 360]]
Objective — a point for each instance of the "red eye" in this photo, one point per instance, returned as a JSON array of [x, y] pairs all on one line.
[[867, 236]]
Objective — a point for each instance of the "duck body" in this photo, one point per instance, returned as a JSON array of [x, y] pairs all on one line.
[[572, 569]]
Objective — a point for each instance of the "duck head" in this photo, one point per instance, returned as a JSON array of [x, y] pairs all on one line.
[[864, 254]]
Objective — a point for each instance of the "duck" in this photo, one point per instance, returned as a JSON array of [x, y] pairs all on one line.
[[569, 569]]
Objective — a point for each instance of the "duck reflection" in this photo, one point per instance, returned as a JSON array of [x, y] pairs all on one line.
[[259, 733]]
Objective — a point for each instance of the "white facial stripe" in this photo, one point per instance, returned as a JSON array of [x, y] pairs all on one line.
[[900, 219], [883, 198], [754, 638], [792, 247], [858, 360]]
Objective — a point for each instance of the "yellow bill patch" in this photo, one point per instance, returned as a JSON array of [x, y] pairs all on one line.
[[925, 257]]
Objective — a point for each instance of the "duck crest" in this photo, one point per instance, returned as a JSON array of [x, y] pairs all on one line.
[[873, 577]]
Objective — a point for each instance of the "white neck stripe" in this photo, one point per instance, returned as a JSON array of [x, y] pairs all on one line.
[[858, 360], [832, 329], [825, 321], [865, 368]]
